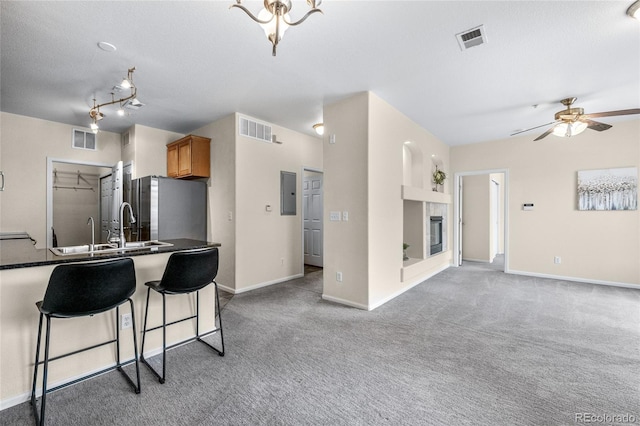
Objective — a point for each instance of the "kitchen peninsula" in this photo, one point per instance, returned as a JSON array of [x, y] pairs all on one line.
[[24, 275]]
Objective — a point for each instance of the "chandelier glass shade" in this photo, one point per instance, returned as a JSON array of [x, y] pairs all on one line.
[[274, 18], [568, 129], [127, 83]]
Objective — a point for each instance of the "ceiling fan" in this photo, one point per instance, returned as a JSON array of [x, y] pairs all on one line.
[[572, 121]]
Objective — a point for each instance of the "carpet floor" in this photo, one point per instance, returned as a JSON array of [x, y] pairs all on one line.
[[470, 346]]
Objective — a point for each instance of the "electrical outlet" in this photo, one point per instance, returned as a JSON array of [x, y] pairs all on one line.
[[125, 321], [345, 216], [557, 260], [339, 277]]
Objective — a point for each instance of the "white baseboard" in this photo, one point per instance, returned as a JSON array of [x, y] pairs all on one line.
[[408, 287], [464, 259], [345, 302], [264, 284], [574, 279]]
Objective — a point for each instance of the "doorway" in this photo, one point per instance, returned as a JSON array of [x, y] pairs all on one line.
[[74, 192], [481, 217], [312, 218]]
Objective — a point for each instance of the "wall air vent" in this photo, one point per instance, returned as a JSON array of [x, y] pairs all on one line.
[[473, 37], [254, 129], [82, 139]]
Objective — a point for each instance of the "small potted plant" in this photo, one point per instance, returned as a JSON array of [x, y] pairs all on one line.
[[438, 178], [405, 246]]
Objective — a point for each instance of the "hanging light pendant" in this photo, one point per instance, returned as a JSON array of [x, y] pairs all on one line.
[[274, 18]]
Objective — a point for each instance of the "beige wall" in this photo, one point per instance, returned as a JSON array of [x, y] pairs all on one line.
[[221, 196], [25, 144], [346, 244], [599, 246], [364, 172], [259, 246], [268, 244], [475, 218], [148, 150]]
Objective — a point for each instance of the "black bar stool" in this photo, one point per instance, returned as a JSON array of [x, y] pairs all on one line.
[[78, 290], [185, 273]]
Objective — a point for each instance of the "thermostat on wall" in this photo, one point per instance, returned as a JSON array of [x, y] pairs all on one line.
[[527, 206]]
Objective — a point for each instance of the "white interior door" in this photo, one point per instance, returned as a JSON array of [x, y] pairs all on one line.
[[312, 219], [460, 223], [116, 200], [495, 223]]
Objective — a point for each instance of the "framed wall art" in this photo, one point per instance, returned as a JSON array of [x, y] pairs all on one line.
[[608, 189]]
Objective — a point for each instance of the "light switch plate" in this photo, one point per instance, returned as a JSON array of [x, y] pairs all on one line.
[[334, 216]]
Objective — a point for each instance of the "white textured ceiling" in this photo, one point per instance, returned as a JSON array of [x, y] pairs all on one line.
[[199, 61]]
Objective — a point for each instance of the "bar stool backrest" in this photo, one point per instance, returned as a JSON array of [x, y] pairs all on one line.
[[190, 271], [88, 288]]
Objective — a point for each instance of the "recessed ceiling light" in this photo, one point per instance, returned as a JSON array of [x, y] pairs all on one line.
[[107, 47]]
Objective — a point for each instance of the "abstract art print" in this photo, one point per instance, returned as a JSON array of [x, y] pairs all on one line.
[[608, 189]]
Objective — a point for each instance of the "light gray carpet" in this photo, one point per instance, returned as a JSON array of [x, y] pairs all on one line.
[[471, 346]]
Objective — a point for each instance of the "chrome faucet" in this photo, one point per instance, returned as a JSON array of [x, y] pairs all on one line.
[[132, 219], [93, 233]]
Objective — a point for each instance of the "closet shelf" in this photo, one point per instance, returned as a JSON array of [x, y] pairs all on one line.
[[419, 194]]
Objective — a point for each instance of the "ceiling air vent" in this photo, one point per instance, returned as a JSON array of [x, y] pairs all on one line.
[[254, 129], [473, 37]]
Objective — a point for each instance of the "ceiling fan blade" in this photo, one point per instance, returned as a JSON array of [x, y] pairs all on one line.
[[532, 128], [545, 134], [612, 113], [596, 125]]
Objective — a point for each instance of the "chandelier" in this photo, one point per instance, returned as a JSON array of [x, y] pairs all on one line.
[[274, 18], [127, 83]]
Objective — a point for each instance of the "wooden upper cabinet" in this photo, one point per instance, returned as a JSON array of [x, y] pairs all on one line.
[[189, 158]]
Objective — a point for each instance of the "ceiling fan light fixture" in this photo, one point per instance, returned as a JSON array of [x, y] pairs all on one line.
[[568, 129], [319, 128], [634, 10]]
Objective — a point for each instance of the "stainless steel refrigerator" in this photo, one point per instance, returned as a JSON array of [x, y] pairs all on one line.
[[167, 208]]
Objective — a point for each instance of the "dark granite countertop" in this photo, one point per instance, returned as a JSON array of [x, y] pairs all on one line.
[[21, 253]]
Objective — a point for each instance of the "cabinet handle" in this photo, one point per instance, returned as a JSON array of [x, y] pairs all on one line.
[[2, 175]]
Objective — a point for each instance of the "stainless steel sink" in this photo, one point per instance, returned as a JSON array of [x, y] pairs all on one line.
[[109, 248], [146, 244], [69, 250]]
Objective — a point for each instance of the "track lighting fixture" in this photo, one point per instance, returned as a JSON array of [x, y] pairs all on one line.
[[127, 83]]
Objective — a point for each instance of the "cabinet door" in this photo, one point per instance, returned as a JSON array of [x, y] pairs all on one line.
[[172, 161], [184, 158]]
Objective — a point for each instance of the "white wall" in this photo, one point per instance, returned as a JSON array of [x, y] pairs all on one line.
[[599, 246], [25, 144]]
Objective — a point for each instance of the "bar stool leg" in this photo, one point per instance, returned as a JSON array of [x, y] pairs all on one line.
[[164, 338], [34, 403], [219, 316], [135, 346]]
